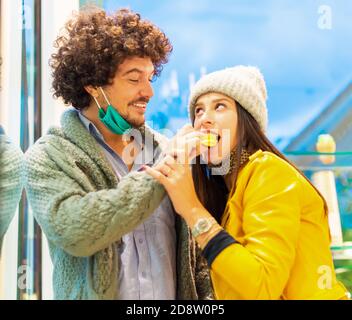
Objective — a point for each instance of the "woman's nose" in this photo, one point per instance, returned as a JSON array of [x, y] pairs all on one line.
[[207, 118]]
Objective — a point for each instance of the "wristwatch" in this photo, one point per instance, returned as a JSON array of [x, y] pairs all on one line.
[[202, 225]]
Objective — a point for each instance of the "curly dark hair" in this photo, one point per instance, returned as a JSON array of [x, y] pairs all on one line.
[[95, 44]]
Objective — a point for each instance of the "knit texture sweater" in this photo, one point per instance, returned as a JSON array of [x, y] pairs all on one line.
[[11, 181], [84, 211]]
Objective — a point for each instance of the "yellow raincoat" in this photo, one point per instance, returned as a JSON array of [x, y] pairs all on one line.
[[283, 249]]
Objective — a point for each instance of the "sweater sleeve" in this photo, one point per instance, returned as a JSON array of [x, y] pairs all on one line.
[[82, 221], [11, 182], [259, 267], [202, 277]]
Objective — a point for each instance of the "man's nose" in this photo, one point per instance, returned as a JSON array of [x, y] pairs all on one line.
[[147, 90]]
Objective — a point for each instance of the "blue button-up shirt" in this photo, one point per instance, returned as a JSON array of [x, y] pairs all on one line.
[[148, 253]]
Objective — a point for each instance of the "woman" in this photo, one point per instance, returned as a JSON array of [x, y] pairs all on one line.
[[261, 224]]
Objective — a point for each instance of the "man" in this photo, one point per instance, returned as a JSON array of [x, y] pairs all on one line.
[[11, 181], [112, 232]]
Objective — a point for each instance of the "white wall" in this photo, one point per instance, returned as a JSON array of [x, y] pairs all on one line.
[[10, 99], [54, 15]]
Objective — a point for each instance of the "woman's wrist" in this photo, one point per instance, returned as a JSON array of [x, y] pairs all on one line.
[[194, 213], [204, 239], [192, 217]]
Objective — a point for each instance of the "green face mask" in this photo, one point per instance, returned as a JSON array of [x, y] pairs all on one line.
[[111, 118]]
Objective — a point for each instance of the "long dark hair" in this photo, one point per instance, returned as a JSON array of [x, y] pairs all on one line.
[[212, 190]]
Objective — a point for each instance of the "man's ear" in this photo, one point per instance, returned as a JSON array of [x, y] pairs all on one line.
[[92, 91]]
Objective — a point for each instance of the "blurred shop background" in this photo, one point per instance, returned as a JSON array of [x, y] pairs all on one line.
[[304, 50]]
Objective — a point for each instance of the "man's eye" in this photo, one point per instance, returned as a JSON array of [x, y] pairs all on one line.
[[133, 80]]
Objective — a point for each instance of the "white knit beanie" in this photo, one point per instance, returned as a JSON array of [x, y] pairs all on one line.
[[244, 84]]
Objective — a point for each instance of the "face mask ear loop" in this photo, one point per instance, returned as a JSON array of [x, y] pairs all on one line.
[[105, 97], [96, 101]]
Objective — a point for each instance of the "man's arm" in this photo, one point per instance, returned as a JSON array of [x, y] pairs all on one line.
[[81, 221], [11, 182], [202, 277]]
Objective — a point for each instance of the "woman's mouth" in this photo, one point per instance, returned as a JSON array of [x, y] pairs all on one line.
[[210, 139]]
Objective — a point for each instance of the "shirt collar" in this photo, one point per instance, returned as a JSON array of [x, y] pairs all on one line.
[[93, 130]]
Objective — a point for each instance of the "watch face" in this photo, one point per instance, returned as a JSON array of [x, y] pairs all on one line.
[[203, 224]]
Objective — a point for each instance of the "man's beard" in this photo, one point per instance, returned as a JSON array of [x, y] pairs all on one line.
[[135, 123]]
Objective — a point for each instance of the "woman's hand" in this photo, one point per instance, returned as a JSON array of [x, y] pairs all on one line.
[[185, 144], [177, 179], [174, 173], [178, 182]]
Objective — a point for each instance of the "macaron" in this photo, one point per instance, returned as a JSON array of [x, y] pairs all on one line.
[[209, 140]]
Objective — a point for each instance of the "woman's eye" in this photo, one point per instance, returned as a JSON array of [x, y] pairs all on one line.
[[198, 110], [220, 106]]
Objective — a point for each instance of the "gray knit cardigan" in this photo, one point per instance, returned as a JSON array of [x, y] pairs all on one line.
[[84, 211], [11, 181]]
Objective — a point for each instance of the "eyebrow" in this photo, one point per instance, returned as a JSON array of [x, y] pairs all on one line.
[[135, 70], [213, 101]]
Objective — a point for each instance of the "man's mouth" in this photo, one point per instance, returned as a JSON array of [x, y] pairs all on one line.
[[141, 105]]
